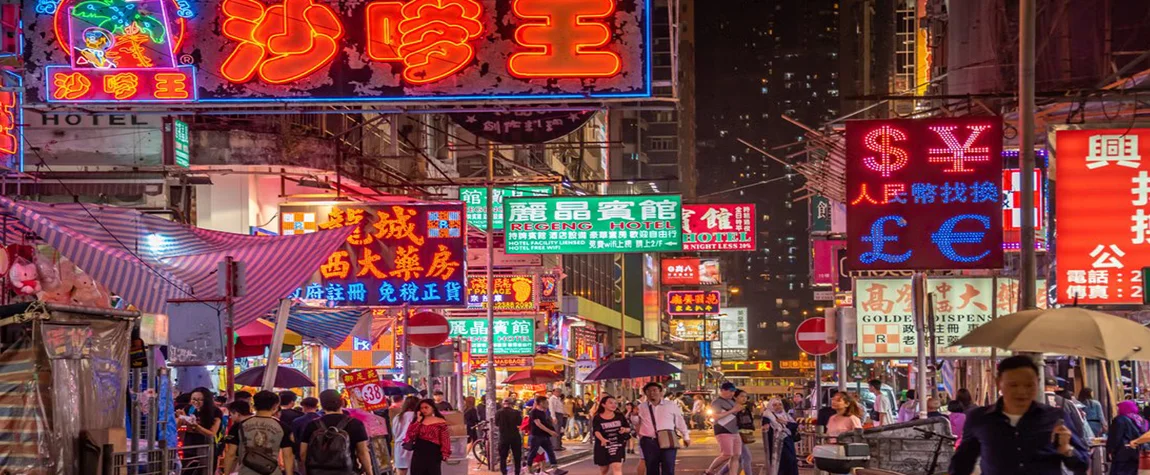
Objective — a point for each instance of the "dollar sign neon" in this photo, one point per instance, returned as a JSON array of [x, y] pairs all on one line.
[[890, 158]]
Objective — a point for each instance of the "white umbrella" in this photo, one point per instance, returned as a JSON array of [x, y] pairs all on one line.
[[1071, 331]]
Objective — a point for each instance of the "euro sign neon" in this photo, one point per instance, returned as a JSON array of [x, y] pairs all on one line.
[[946, 237]]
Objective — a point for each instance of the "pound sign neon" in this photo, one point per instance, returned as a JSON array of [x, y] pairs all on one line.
[[945, 238], [878, 241]]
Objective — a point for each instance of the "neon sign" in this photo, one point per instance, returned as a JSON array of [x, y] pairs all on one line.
[[315, 51], [510, 292], [11, 131], [693, 302], [409, 254], [925, 194]]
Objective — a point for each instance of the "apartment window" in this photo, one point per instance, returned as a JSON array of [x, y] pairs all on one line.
[[662, 143]]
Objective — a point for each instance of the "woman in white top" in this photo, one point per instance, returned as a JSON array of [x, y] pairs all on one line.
[[399, 427]]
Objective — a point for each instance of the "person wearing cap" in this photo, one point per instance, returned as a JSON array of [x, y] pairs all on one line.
[[726, 412], [507, 422]]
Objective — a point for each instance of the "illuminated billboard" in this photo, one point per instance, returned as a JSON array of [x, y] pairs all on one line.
[[693, 302], [719, 227], [210, 51], [510, 292], [593, 224], [924, 194]]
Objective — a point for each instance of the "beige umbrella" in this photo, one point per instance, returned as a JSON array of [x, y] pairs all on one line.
[[1071, 331]]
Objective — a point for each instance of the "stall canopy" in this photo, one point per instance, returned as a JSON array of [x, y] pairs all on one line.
[[149, 260], [325, 325]]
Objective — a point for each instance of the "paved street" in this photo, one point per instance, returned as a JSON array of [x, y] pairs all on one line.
[[692, 460]]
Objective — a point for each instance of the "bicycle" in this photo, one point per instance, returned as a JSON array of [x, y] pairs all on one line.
[[479, 450]]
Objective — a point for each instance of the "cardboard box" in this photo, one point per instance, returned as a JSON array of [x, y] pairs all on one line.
[[117, 436], [455, 425]]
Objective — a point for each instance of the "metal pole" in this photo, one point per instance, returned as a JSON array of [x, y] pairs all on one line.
[[918, 284], [818, 384], [1027, 269], [933, 341], [491, 449], [840, 328], [230, 337], [623, 307], [277, 344]]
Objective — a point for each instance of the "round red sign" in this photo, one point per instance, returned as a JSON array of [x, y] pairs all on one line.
[[811, 336], [427, 329]]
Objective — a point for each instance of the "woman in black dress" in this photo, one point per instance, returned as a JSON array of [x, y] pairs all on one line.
[[201, 420], [611, 431]]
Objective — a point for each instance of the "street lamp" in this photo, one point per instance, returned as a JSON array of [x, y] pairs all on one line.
[[734, 291]]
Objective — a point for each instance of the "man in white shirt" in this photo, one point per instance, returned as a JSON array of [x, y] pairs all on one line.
[[882, 413], [559, 415], [655, 415]]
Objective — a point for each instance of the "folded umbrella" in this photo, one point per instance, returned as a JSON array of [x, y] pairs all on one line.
[[534, 376], [631, 368], [1071, 331], [286, 377]]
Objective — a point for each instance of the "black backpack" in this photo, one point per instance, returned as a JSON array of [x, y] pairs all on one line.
[[329, 450]]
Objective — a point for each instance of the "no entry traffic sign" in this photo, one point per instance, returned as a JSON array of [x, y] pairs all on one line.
[[427, 329], [812, 337]]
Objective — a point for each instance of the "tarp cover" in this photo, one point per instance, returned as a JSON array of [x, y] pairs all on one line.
[[148, 260]]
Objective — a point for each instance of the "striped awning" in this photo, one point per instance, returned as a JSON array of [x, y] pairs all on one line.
[[149, 260], [329, 326]]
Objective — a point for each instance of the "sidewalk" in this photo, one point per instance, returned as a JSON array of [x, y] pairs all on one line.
[[575, 451]]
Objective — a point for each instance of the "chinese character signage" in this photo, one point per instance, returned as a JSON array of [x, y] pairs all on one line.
[[694, 330], [719, 227], [1012, 208], [365, 390], [733, 328], [824, 260], [593, 224], [820, 209], [476, 200], [399, 254], [1103, 211], [11, 130], [797, 364], [513, 335], [522, 127], [886, 325], [584, 343], [747, 366], [924, 194], [681, 271], [510, 292], [692, 302], [212, 51]]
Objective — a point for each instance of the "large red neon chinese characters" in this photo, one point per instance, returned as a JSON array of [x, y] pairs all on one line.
[[9, 144], [282, 43], [431, 37], [563, 38]]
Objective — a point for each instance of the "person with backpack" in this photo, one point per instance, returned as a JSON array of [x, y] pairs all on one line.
[[335, 442], [428, 440], [258, 444]]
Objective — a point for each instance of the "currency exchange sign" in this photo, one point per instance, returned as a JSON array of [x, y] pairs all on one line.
[[476, 200], [399, 254], [1103, 210], [924, 194], [593, 224], [513, 335]]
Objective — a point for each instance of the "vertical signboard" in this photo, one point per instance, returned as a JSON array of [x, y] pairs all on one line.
[[719, 227], [11, 130], [824, 260], [1103, 210], [732, 332], [593, 224], [476, 200], [399, 254], [924, 194]]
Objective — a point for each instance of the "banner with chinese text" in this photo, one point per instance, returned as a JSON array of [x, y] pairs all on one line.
[[510, 292], [732, 329], [476, 200], [693, 302], [690, 329], [399, 254], [886, 326], [1103, 211], [719, 227], [593, 224], [513, 335], [364, 388], [265, 51], [924, 194]]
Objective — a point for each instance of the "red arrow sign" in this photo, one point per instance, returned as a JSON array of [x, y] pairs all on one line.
[[811, 336]]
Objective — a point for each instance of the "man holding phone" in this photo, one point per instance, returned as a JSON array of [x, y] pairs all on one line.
[[1017, 435]]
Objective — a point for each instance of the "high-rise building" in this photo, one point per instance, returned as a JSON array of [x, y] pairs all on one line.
[[787, 65]]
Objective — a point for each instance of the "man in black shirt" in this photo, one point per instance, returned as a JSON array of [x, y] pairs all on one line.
[[260, 433], [441, 404], [507, 422], [288, 412], [542, 430], [332, 403]]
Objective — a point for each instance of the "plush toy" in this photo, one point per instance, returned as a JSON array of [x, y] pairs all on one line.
[[23, 277], [87, 293]]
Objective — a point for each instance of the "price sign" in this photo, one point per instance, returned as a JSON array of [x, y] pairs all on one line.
[[364, 387]]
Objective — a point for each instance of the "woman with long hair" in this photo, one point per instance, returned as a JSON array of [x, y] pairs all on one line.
[[746, 421], [1093, 410], [471, 419], [963, 397], [429, 440], [1123, 440], [848, 414], [200, 429], [779, 430], [399, 427], [610, 431]]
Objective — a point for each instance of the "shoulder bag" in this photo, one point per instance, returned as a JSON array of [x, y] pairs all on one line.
[[257, 459], [667, 438]]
